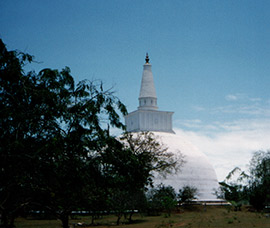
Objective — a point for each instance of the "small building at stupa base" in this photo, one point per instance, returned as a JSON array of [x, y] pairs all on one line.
[[196, 170]]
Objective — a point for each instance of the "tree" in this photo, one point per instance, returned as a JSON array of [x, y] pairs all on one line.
[[252, 187], [187, 194], [125, 183], [17, 124], [74, 167], [51, 136], [130, 163], [259, 181], [153, 156], [56, 151], [161, 198], [234, 188]]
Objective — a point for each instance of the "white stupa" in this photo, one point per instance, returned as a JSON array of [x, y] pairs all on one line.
[[196, 171]]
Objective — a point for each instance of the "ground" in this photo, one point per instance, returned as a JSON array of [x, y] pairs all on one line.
[[197, 217]]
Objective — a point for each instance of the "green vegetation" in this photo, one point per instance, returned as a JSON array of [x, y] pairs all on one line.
[[251, 187], [189, 218], [162, 198], [259, 181], [187, 194], [57, 154]]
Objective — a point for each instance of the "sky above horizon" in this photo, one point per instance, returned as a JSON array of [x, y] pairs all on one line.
[[210, 61]]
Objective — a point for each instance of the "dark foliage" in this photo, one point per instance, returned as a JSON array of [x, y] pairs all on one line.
[[56, 151], [187, 194], [51, 134], [162, 198], [259, 181], [252, 188]]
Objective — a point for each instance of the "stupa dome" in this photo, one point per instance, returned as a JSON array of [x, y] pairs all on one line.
[[196, 170]]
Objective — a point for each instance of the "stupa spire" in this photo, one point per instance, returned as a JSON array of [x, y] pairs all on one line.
[[147, 117], [147, 97], [147, 58]]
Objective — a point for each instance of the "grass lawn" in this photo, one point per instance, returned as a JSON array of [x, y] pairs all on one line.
[[198, 217]]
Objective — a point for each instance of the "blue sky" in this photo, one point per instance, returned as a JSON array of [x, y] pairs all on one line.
[[210, 60]]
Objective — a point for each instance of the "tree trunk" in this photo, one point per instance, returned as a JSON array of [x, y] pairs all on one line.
[[12, 219], [118, 219], [130, 216], [64, 220]]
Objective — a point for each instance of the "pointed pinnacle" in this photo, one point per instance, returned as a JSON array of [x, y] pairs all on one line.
[[147, 58]]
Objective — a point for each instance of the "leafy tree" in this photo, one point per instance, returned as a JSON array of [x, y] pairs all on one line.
[[130, 164], [72, 165], [124, 179], [125, 202], [187, 194], [253, 187], [56, 153], [149, 157], [17, 126], [161, 198], [51, 136], [234, 188], [152, 155], [259, 181]]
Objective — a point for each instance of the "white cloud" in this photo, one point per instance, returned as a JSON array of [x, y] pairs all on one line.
[[241, 97], [236, 97], [253, 109], [195, 123], [233, 144], [248, 107], [231, 97]]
